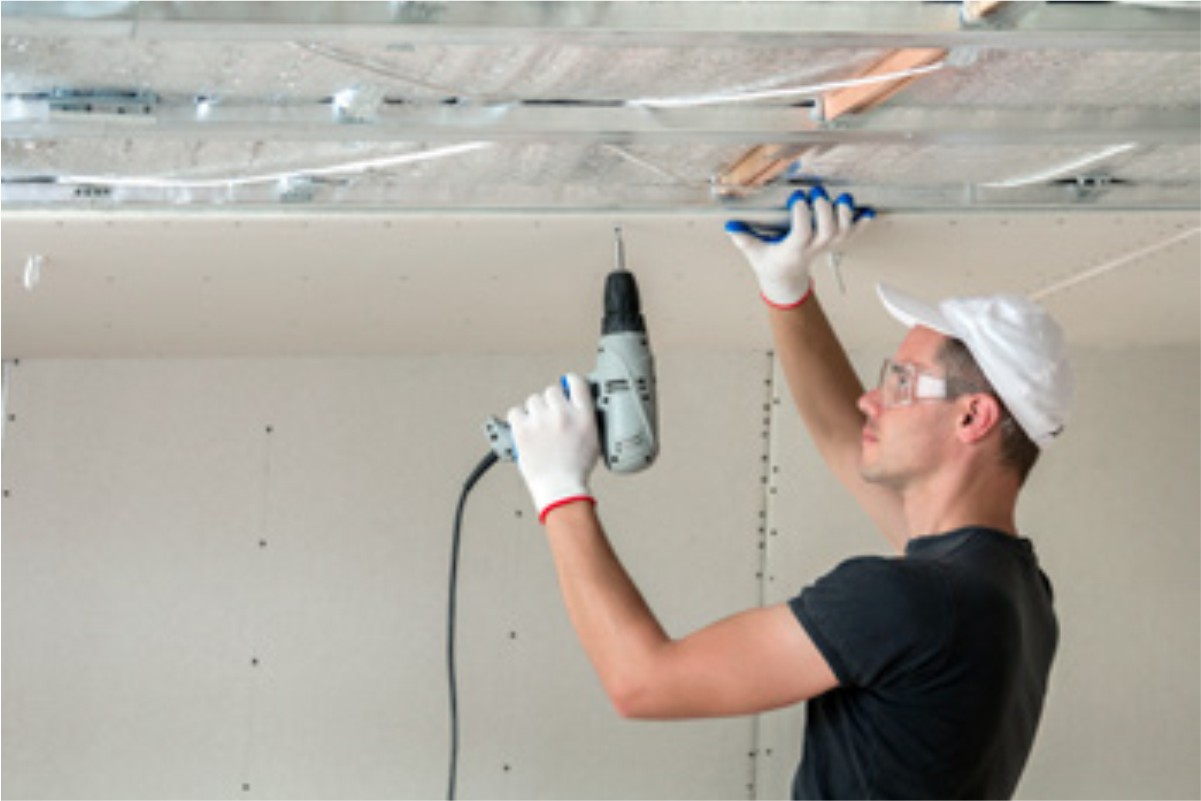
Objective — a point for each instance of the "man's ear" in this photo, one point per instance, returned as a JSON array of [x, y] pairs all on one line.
[[978, 415]]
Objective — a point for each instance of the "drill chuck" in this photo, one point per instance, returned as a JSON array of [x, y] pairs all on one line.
[[623, 308]]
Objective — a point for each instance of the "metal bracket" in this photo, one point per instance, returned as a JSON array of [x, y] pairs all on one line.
[[118, 104], [298, 189], [1088, 187]]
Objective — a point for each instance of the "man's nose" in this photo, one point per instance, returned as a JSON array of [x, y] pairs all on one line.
[[869, 403]]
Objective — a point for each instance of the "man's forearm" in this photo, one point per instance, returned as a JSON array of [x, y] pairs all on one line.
[[823, 384], [616, 627], [826, 392]]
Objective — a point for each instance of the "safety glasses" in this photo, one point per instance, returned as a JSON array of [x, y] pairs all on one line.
[[903, 383]]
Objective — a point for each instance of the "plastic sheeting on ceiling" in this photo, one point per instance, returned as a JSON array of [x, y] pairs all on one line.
[[579, 106]]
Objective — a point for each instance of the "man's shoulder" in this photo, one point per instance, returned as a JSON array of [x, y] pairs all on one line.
[[894, 590], [889, 573]]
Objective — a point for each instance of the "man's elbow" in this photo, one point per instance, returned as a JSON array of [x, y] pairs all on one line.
[[642, 689], [630, 701], [637, 700]]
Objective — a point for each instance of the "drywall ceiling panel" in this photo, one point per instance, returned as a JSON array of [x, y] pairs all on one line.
[[1111, 280], [187, 285]]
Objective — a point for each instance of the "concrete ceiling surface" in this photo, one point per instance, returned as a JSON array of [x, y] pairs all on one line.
[[293, 285], [593, 106]]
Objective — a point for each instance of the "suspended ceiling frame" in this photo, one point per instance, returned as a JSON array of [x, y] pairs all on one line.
[[833, 24], [451, 137]]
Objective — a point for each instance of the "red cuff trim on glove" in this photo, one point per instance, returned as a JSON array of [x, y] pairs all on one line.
[[787, 306], [563, 502]]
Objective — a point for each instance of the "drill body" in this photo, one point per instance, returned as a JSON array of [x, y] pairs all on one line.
[[622, 384]]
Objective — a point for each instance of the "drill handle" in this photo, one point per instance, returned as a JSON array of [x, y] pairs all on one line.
[[500, 433]]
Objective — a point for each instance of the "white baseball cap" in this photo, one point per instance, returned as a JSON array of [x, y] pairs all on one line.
[[1017, 344]]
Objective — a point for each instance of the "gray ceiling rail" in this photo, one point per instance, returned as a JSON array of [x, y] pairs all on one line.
[[617, 124], [622, 24], [596, 106]]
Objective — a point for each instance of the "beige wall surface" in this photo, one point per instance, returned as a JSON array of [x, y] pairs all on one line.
[[226, 578]]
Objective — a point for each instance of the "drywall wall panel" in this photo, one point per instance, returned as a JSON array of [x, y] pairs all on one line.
[[1117, 519], [227, 579], [133, 500], [811, 525], [1113, 512]]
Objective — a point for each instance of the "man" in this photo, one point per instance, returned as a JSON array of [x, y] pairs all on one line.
[[925, 673]]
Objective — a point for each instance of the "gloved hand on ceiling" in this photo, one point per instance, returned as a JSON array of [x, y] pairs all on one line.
[[557, 444], [781, 259]]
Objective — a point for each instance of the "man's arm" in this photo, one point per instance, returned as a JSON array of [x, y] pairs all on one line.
[[826, 391], [824, 387], [758, 660]]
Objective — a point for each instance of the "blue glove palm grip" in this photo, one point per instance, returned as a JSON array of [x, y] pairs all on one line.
[[775, 233]]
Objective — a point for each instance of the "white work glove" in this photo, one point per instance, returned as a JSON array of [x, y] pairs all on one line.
[[781, 259], [557, 444]]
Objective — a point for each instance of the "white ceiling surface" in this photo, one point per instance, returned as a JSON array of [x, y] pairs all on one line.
[[288, 285]]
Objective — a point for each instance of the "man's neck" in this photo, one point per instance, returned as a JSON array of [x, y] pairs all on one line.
[[971, 498]]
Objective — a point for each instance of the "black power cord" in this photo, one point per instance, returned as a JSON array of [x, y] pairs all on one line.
[[451, 677]]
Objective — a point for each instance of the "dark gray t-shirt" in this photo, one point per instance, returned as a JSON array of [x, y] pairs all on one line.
[[942, 657]]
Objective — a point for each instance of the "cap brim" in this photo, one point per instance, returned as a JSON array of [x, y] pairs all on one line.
[[910, 311]]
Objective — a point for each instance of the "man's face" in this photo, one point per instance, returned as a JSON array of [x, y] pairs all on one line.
[[903, 443]]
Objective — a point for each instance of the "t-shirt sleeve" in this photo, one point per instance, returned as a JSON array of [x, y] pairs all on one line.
[[874, 618]]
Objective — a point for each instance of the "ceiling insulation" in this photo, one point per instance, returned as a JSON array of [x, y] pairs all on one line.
[[583, 106]]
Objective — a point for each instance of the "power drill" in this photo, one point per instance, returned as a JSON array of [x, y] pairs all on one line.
[[623, 383]]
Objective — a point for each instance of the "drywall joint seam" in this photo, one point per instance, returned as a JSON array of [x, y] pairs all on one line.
[[764, 525], [9, 364], [253, 612]]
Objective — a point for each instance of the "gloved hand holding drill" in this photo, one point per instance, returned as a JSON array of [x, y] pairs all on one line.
[[556, 436], [782, 259]]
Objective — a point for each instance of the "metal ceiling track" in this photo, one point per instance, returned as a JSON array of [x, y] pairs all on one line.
[[1085, 194], [623, 24], [39, 119], [403, 140]]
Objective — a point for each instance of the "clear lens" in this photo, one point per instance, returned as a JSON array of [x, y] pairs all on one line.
[[896, 383], [901, 383]]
